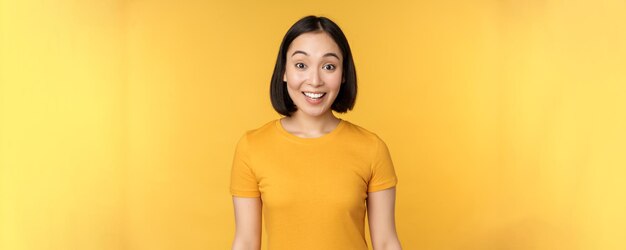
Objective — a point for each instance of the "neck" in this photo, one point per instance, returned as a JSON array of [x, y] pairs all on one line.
[[312, 126]]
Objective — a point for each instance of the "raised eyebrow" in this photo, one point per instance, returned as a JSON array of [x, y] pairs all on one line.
[[325, 55], [331, 54], [299, 52]]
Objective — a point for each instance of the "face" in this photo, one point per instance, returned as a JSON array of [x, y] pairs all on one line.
[[313, 73]]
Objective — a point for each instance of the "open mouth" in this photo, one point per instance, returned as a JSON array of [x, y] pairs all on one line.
[[313, 95]]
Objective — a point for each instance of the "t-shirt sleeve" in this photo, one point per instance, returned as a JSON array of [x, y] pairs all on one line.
[[243, 182], [383, 173]]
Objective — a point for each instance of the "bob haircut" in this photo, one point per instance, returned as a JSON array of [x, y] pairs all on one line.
[[346, 97]]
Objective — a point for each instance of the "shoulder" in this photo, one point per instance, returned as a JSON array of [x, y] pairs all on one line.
[[357, 130], [361, 134], [259, 134]]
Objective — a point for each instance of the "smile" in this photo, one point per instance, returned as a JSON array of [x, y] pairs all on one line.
[[314, 95]]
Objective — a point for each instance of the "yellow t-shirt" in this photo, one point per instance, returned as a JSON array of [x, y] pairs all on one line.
[[313, 189]]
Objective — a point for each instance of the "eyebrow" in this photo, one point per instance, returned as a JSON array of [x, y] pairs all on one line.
[[325, 55]]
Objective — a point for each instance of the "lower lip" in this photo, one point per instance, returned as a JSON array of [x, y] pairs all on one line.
[[314, 101]]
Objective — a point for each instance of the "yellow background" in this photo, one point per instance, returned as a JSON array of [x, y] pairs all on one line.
[[506, 120]]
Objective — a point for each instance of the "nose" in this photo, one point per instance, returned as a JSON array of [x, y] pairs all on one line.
[[314, 78]]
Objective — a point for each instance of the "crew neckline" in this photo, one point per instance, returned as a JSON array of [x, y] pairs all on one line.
[[322, 138]]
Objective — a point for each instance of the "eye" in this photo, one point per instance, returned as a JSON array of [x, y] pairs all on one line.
[[300, 65], [329, 67]]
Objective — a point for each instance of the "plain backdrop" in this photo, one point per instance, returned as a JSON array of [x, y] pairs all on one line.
[[506, 120]]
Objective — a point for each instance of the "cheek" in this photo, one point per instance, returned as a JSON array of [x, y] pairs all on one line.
[[293, 79], [289, 78], [333, 81], [292, 88]]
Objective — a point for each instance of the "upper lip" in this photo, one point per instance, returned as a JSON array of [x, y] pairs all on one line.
[[314, 92]]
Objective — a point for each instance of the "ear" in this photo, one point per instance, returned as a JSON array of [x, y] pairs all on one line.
[[285, 77]]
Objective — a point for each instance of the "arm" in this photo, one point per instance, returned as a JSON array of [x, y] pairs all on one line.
[[381, 216], [248, 223]]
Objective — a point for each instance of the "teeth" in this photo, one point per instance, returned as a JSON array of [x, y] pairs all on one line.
[[314, 95]]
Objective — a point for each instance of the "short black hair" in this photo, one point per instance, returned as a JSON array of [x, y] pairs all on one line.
[[346, 97]]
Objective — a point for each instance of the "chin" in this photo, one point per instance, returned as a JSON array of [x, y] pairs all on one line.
[[314, 113]]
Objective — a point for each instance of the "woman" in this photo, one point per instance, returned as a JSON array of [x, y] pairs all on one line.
[[311, 172]]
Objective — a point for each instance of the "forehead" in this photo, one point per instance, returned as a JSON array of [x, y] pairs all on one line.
[[314, 43]]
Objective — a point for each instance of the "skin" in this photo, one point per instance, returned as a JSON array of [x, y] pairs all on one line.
[[314, 64]]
